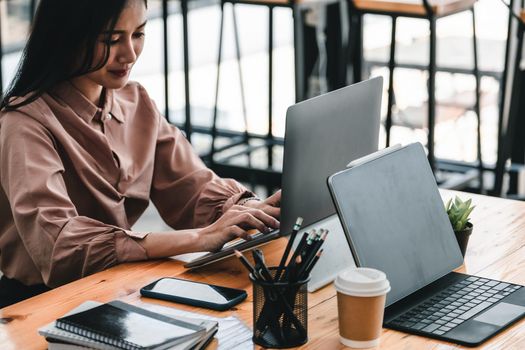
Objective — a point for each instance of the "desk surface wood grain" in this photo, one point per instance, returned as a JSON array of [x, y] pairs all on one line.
[[496, 250]]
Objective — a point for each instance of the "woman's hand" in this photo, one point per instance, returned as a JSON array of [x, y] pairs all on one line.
[[235, 223], [271, 205]]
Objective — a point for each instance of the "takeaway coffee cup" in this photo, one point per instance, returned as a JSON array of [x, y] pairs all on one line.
[[361, 294]]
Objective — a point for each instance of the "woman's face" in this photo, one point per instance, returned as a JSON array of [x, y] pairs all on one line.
[[126, 42]]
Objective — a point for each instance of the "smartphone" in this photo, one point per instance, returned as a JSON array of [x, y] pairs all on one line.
[[194, 293]]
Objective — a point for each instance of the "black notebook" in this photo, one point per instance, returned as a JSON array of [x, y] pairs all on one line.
[[123, 327]]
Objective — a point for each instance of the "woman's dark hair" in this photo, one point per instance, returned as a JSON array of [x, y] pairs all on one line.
[[61, 46]]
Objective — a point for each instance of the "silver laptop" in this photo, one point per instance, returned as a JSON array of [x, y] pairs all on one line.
[[322, 136]]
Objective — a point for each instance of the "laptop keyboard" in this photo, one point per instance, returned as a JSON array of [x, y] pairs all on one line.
[[239, 241], [454, 305]]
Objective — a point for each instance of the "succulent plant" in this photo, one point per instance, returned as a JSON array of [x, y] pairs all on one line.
[[458, 212]]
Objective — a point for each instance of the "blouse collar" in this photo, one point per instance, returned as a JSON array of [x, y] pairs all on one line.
[[86, 109]]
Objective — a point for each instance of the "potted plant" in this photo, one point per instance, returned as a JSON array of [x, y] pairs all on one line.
[[458, 213]]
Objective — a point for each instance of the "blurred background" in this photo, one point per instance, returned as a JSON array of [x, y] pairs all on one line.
[[319, 46]]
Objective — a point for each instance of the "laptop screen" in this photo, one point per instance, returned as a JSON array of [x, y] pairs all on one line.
[[395, 220], [323, 135]]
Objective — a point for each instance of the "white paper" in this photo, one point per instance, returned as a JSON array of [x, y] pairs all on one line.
[[232, 333]]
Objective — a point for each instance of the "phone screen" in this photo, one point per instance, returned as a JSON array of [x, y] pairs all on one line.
[[194, 290]]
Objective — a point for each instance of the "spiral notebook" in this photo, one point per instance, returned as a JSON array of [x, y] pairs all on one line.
[[124, 326], [222, 333]]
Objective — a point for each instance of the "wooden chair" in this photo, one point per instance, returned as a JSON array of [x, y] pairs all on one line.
[[430, 10]]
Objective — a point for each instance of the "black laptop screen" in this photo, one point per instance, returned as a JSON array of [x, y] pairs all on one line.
[[395, 219]]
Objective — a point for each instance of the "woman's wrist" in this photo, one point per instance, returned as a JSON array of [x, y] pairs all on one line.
[[243, 201], [165, 244]]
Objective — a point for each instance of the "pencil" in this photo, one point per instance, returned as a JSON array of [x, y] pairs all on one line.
[[312, 253], [261, 267], [305, 241], [246, 263], [311, 242], [296, 252], [313, 262], [293, 269], [302, 248], [317, 244], [295, 230]]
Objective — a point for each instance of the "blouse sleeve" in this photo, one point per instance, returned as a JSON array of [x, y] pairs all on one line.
[[186, 192], [63, 245]]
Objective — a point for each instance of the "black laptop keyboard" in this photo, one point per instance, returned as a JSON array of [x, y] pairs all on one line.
[[454, 305]]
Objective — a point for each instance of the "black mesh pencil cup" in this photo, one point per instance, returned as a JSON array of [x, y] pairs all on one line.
[[280, 313]]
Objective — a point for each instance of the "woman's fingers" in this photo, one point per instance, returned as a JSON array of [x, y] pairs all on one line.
[[273, 211], [239, 212], [216, 239], [268, 220], [235, 223], [270, 206], [239, 232], [274, 199], [248, 220]]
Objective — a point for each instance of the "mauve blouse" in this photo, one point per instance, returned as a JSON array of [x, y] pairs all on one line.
[[76, 177]]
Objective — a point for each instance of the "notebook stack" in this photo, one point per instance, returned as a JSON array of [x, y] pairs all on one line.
[[117, 325]]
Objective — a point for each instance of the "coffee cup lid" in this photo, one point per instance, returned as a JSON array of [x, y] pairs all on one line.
[[362, 282]]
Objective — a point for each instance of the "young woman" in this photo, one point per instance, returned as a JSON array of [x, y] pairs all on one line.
[[83, 151]]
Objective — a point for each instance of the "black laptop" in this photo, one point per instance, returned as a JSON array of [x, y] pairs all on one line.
[[394, 220]]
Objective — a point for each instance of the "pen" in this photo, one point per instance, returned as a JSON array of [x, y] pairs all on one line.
[[295, 230]]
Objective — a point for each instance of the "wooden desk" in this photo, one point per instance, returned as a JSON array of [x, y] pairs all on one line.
[[496, 250]]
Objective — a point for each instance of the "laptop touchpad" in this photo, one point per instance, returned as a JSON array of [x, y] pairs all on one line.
[[501, 314]]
